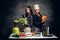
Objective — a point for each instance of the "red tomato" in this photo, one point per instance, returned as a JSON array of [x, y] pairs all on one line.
[[22, 35]]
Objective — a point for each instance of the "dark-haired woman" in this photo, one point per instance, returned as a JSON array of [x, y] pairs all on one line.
[[29, 15]]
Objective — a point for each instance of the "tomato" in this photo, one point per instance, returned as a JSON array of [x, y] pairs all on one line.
[[22, 35]]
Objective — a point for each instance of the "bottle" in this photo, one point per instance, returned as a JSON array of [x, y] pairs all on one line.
[[44, 32], [47, 30]]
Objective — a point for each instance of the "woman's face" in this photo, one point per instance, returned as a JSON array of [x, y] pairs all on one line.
[[37, 11], [28, 10]]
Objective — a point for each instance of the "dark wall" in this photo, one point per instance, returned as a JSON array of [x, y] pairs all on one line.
[[13, 9]]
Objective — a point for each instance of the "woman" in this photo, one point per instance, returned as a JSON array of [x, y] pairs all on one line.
[[38, 19], [28, 15]]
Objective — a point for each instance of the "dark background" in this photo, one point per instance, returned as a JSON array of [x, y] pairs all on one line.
[[6, 21]]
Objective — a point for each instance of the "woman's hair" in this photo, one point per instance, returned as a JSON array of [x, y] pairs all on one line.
[[30, 11]]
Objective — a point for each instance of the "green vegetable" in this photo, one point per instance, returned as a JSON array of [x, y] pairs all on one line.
[[16, 21], [15, 35], [23, 20]]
